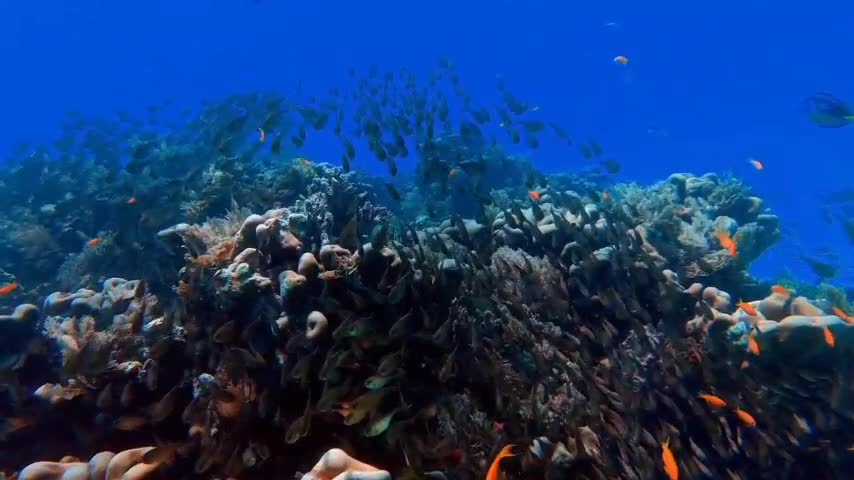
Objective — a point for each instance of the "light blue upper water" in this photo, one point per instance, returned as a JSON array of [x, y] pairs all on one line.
[[719, 82]]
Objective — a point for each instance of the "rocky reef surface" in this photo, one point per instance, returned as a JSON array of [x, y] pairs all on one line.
[[561, 325], [200, 301]]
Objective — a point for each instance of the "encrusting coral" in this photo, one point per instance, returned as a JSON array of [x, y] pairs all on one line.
[[683, 216], [132, 464]]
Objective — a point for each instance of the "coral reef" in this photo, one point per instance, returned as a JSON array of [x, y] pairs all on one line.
[[283, 310], [683, 217], [558, 319]]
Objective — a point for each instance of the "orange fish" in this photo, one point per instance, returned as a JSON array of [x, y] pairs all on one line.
[[305, 162], [752, 344], [261, 135], [713, 400], [841, 314], [829, 338], [499, 427], [94, 242], [453, 173], [746, 418], [669, 461], [12, 425], [132, 201], [345, 409], [495, 468], [7, 289], [728, 243], [535, 195], [606, 196], [756, 164], [781, 290], [748, 308], [621, 59]]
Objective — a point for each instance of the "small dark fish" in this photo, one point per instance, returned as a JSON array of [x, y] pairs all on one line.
[[349, 237], [560, 132], [444, 111], [381, 424], [379, 236], [390, 363], [302, 368], [349, 149], [301, 426], [848, 224], [481, 116], [460, 226], [160, 455], [321, 121], [332, 396], [537, 211], [821, 268], [405, 325], [392, 166], [586, 152], [244, 357], [276, 145], [160, 410], [533, 126], [595, 149], [397, 292], [393, 192], [473, 167], [532, 141], [377, 382], [612, 166], [827, 111], [161, 348], [129, 423], [226, 333], [443, 333], [449, 367], [415, 239], [127, 395], [345, 163], [105, 398]]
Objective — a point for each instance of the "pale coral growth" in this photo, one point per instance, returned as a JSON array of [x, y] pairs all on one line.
[[193, 210], [85, 351], [128, 465], [335, 464], [533, 281], [216, 230], [218, 255], [707, 265], [33, 240]]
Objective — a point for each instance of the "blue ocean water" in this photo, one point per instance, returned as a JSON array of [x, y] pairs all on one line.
[[707, 85]]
